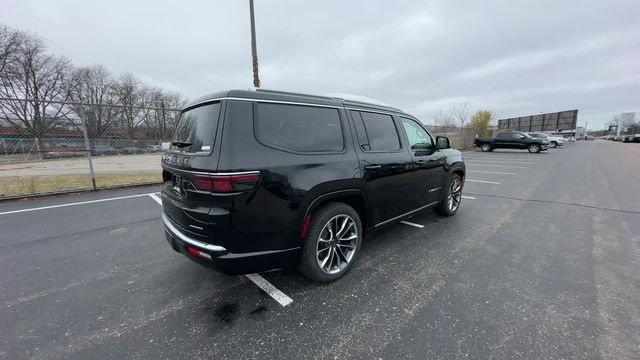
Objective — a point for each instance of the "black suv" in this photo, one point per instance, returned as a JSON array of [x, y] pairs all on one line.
[[256, 180]]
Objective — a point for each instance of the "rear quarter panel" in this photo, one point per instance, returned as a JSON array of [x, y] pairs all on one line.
[[271, 216]]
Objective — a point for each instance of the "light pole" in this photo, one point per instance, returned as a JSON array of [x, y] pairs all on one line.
[[254, 51]]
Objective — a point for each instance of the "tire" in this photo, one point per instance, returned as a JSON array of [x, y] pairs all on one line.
[[534, 148], [452, 197], [486, 147], [340, 254], [553, 144]]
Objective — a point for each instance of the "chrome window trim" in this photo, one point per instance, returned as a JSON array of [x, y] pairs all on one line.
[[264, 101], [375, 111], [174, 231]]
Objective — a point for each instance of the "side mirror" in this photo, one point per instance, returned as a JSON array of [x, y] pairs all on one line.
[[442, 142]]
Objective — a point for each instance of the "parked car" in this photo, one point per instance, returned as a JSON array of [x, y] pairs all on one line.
[[101, 150], [554, 141], [256, 180], [154, 148], [512, 140], [628, 138]]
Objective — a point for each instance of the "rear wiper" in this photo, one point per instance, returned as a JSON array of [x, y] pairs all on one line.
[[181, 144]]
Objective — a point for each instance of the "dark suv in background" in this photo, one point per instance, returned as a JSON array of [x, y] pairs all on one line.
[[256, 180], [512, 140]]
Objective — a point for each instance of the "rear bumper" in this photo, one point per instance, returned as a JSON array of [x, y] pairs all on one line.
[[218, 258]]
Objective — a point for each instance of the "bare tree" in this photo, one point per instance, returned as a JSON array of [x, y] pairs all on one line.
[[460, 114], [10, 41], [94, 97], [164, 117], [131, 97], [34, 85], [442, 118]]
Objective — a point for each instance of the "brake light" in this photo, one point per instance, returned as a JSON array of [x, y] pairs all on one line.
[[225, 183], [195, 252], [235, 182]]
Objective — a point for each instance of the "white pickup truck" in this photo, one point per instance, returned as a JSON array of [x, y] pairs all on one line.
[[554, 141]]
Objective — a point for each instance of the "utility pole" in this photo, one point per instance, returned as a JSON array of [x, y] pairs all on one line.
[[87, 152], [254, 51]]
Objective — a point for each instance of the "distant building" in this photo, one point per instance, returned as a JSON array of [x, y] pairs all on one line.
[[561, 123]]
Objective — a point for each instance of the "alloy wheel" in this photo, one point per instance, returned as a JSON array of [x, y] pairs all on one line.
[[454, 196], [337, 244]]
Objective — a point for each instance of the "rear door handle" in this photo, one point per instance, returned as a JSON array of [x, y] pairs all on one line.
[[421, 161], [372, 167]]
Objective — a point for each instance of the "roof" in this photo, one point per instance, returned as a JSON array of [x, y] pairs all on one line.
[[275, 95]]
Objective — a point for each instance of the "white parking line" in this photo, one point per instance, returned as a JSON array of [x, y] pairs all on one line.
[[483, 181], [257, 279], [156, 198], [74, 204], [468, 197], [491, 172], [412, 224], [276, 294], [504, 166]]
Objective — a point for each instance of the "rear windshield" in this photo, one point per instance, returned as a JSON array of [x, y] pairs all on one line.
[[196, 130]]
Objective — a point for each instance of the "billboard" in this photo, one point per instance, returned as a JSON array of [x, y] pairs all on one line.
[[557, 121]]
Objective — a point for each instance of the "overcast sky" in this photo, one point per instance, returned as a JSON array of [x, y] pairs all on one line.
[[512, 57]]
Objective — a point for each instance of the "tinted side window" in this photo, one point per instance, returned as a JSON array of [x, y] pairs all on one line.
[[504, 136], [361, 132], [418, 137], [381, 132], [299, 128]]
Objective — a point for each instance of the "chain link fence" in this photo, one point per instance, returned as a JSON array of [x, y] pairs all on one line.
[[102, 149]]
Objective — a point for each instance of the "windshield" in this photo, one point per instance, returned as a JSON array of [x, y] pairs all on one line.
[[196, 128]]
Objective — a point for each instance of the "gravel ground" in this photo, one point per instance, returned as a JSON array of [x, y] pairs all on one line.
[[107, 164]]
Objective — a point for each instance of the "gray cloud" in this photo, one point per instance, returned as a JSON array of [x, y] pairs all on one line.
[[512, 57]]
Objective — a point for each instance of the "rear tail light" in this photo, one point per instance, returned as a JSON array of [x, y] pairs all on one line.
[[195, 252], [225, 183]]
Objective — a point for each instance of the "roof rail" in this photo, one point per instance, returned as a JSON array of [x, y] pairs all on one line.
[[278, 92], [370, 105], [345, 101]]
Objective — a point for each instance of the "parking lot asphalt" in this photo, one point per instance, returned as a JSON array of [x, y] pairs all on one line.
[[541, 261]]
